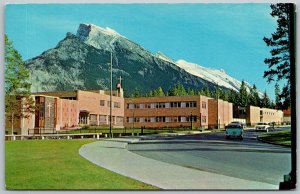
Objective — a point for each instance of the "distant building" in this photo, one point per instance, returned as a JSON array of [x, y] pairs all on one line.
[[287, 116], [252, 115]]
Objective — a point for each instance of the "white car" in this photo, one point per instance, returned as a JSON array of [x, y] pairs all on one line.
[[263, 127]]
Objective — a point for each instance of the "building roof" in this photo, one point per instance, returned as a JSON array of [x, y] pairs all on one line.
[[61, 94]]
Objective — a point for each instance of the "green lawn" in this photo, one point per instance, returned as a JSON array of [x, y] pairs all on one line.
[[56, 164], [281, 138]]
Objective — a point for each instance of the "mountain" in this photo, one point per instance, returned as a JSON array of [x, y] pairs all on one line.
[[82, 61]]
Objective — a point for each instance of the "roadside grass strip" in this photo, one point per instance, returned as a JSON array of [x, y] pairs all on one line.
[[57, 165], [278, 138]]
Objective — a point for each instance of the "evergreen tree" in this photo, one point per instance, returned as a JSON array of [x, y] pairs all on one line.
[[191, 92], [279, 63], [206, 91], [18, 101], [233, 97], [225, 95], [243, 96], [136, 93], [265, 101], [254, 99], [150, 93], [158, 92]]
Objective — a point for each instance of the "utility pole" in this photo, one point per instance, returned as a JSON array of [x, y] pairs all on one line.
[[191, 118], [110, 110]]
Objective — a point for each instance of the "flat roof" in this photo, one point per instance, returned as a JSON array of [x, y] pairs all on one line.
[[61, 94]]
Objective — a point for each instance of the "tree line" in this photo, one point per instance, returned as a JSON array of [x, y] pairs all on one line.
[[244, 97]]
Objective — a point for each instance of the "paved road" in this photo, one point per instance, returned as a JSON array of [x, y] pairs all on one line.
[[113, 155], [248, 159]]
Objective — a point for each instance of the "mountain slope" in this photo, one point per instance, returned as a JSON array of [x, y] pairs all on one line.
[[81, 61]]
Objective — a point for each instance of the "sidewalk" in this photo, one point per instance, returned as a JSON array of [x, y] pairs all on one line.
[[113, 155]]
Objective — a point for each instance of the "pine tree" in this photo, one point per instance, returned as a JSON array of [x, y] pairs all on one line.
[[18, 100], [136, 93], [279, 63], [206, 91], [158, 92], [233, 97], [254, 98], [243, 96], [191, 92], [265, 101]]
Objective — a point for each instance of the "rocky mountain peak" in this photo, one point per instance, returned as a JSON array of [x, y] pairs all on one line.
[[98, 37]]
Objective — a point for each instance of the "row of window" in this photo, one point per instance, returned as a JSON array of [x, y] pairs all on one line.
[[116, 104], [164, 119], [189, 104], [266, 113]]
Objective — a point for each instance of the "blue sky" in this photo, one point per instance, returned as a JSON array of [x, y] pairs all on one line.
[[222, 36]]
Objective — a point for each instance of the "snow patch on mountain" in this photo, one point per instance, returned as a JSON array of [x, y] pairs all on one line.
[[98, 37], [219, 77]]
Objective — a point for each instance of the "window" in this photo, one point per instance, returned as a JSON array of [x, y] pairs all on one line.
[[117, 105], [204, 105], [142, 106], [153, 105], [193, 104], [142, 119], [108, 103], [175, 104], [161, 105], [130, 106], [203, 119], [168, 119], [160, 119], [193, 118], [102, 102], [130, 119]]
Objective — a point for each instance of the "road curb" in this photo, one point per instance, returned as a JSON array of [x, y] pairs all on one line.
[[259, 139]]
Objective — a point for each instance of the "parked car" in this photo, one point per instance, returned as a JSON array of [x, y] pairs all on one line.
[[262, 126], [234, 130]]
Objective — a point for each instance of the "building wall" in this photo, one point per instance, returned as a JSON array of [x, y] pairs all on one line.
[[272, 115], [67, 113], [257, 114], [161, 112], [219, 111], [98, 107], [253, 115]]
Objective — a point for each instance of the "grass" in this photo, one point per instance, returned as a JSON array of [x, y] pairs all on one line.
[[280, 138], [57, 165]]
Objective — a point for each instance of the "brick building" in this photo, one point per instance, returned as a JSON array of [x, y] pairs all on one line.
[[253, 114], [51, 114], [66, 110], [257, 114], [219, 113], [167, 111]]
